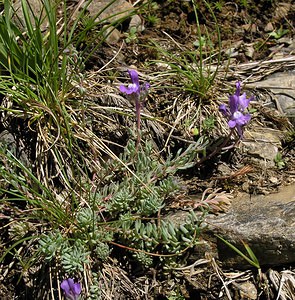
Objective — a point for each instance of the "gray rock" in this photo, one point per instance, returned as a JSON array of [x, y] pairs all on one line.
[[15, 146], [108, 12], [262, 145], [136, 22], [265, 223], [36, 11], [282, 85], [112, 35]]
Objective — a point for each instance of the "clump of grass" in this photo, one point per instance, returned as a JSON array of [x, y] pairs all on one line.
[[43, 84], [194, 70]]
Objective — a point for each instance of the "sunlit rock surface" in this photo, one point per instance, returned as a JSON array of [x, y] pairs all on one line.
[[266, 223]]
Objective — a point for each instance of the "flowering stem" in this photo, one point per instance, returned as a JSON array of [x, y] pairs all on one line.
[[138, 119], [218, 149], [136, 93]]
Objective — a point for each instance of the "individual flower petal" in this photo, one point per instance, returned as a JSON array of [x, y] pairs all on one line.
[[130, 89], [243, 119], [244, 102], [223, 109], [232, 123], [240, 118], [134, 87], [233, 103], [71, 290], [134, 77], [65, 285], [76, 288], [238, 88]]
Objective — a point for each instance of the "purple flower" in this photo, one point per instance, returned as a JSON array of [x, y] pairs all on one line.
[[135, 93], [236, 112], [71, 290], [134, 87]]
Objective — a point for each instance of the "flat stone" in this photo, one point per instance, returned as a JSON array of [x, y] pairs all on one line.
[[282, 85], [265, 223], [109, 11], [262, 145], [37, 11]]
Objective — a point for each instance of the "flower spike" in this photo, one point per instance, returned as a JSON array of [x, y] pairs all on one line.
[[136, 93], [236, 114]]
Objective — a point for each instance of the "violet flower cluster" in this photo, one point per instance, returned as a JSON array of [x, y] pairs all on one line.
[[236, 112], [134, 88], [71, 290]]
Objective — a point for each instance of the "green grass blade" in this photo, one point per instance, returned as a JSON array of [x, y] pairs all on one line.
[[252, 260]]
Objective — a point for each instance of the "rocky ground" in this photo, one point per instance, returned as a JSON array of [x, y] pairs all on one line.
[[255, 181]]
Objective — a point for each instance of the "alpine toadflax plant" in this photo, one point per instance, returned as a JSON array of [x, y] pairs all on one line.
[[71, 290], [236, 112], [136, 93]]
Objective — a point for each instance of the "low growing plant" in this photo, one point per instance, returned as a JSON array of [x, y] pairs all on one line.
[[118, 209], [123, 212], [277, 34], [279, 161]]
